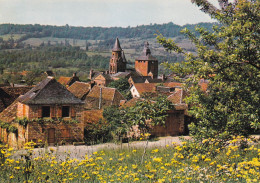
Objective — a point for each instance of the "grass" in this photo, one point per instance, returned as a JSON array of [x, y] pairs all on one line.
[[189, 162], [8, 36]]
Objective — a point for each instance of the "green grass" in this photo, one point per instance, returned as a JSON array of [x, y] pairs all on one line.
[[189, 162], [8, 36]]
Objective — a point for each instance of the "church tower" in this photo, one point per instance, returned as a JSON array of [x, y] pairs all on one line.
[[146, 64], [117, 60]]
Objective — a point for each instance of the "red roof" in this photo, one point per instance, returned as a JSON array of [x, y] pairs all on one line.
[[80, 89], [145, 87]]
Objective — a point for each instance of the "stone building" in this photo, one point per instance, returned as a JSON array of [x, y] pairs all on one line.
[[117, 60], [52, 115], [146, 64]]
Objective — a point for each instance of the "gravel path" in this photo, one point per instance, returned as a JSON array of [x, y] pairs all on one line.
[[79, 152]]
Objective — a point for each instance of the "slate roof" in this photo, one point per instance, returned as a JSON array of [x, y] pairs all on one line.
[[146, 55], [80, 89], [49, 91], [9, 94], [117, 46]]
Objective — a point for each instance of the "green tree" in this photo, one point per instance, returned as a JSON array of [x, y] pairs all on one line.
[[117, 124], [147, 113], [122, 85], [228, 57]]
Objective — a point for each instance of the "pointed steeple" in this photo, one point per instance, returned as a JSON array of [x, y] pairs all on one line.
[[117, 46], [123, 56], [146, 50]]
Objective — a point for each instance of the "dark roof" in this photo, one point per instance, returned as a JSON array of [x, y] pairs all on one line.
[[123, 56], [117, 46], [149, 79], [146, 55], [9, 94], [49, 91], [9, 114], [80, 89]]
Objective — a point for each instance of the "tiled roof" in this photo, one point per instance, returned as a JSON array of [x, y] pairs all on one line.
[[9, 114], [106, 76], [131, 102], [64, 80], [172, 84], [80, 89], [49, 91], [110, 96], [145, 87]]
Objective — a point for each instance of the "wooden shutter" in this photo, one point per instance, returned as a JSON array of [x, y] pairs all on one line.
[[59, 111], [52, 112], [39, 111], [73, 112]]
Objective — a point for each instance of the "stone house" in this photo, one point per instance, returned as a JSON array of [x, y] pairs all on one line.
[[102, 79], [47, 113]]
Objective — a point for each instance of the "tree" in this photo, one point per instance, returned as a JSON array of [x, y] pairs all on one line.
[[122, 86], [227, 56], [147, 113]]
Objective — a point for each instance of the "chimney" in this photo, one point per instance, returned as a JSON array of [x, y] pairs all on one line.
[[100, 99], [107, 71], [74, 74]]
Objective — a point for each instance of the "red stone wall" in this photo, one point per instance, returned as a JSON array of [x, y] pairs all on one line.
[[36, 132], [141, 67]]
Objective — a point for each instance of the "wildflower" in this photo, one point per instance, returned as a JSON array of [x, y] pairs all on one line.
[[134, 151]]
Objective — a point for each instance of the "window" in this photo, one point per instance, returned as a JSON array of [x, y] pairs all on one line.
[[46, 111], [65, 111]]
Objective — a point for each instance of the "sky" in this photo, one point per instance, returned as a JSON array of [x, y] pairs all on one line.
[[104, 13]]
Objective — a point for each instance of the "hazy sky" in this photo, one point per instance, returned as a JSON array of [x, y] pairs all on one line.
[[105, 13]]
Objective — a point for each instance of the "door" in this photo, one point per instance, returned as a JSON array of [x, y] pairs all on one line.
[[51, 135]]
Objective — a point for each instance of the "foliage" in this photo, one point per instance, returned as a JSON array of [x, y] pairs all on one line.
[[24, 121], [95, 133], [93, 33], [229, 58], [169, 163], [117, 124], [122, 85], [48, 58], [8, 127], [147, 113]]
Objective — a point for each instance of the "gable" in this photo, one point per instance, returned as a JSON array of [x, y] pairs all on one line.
[[49, 91]]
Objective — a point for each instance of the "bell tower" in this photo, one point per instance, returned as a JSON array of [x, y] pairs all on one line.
[[146, 64], [117, 60]]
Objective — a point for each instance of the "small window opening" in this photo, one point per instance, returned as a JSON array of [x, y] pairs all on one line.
[[65, 111], [46, 111]]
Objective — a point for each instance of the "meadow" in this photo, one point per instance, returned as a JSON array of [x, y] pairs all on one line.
[[186, 162]]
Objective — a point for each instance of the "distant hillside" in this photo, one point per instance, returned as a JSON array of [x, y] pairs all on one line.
[[95, 33]]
